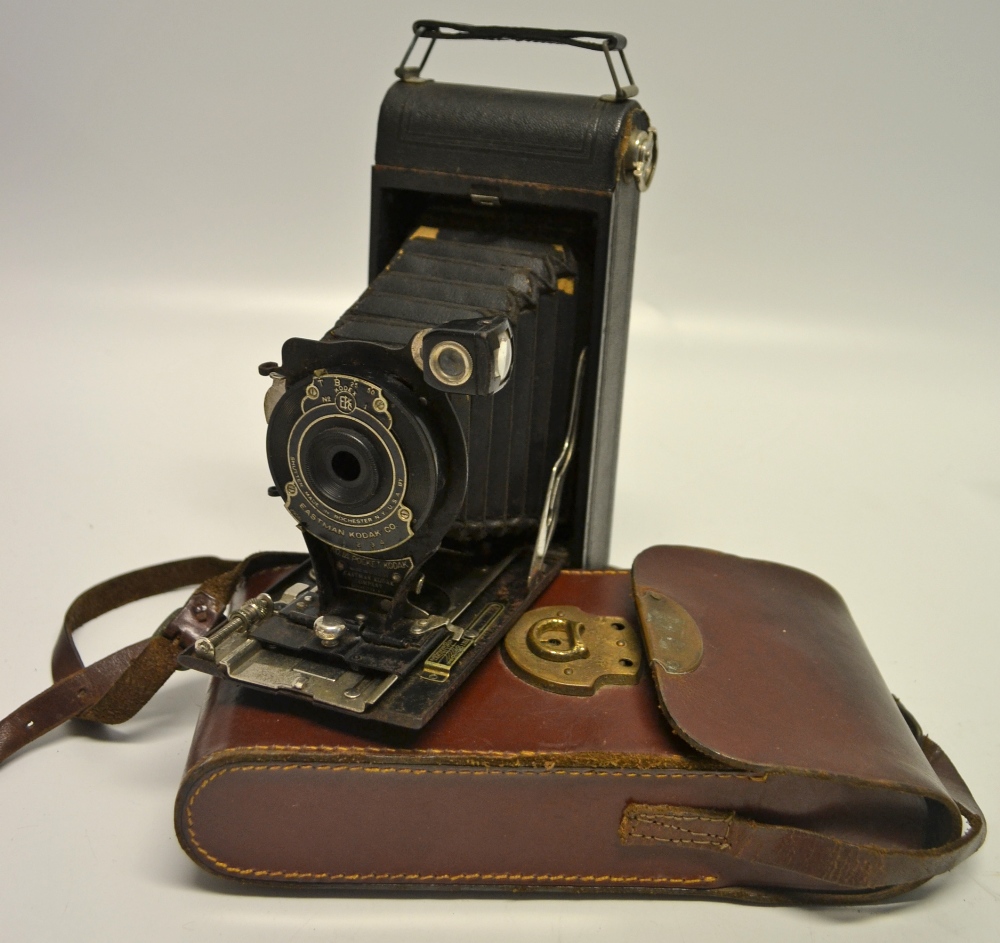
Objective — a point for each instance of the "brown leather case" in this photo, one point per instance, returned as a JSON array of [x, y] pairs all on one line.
[[780, 767]]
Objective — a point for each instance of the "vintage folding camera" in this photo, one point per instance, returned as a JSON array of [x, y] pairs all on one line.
[[450, 444]]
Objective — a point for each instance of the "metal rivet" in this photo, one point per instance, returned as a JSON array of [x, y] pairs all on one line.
[[641, 157], [204, 648], [328, 629]]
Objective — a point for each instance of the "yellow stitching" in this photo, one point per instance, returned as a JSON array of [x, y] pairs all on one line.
[[391, 753], [245, 872], [684, 841], [687, 831], [312, 748], [611, 571], [490, 771], [680, 817], [664, 819]]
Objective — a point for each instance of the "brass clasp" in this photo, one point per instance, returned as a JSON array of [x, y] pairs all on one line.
[[567, 651], [557, 639]]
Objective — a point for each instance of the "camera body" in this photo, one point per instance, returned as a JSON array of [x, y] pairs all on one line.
[[450, 444]]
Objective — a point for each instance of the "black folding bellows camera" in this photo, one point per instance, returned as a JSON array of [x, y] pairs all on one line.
[[450, 444]]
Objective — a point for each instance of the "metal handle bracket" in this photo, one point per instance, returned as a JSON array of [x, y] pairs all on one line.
[[433, 30]]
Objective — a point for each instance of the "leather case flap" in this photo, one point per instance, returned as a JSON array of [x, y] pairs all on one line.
[[761, 666]]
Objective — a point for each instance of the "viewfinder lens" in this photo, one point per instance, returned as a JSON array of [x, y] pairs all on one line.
[[450, 363]]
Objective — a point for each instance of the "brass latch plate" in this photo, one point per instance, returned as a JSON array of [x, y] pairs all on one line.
[[673, 638], [568, 651]]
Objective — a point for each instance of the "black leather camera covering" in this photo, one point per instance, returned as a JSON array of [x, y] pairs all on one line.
[[506, 134]]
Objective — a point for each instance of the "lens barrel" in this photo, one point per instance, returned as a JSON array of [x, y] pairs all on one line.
[[343, 465]]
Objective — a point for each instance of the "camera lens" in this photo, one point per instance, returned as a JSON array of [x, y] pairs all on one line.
[[450, 363], [344, 466], [360, 464]]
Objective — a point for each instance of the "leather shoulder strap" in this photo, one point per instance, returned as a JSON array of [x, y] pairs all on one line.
[[113, 689]]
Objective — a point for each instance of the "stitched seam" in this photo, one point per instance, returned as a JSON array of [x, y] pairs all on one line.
[[471, 771], [313, 748], [665, 820], [499, 754], [683, 841], [688, 831], [253, 872], [613, 571]]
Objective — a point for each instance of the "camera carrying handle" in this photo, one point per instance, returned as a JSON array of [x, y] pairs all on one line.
[[607, 43]]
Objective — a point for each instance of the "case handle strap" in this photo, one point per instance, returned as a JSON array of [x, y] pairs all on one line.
[[844, 865], [607, 43], [112, 690]]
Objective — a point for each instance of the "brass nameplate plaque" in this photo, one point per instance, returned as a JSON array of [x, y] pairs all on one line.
[[673, 638]]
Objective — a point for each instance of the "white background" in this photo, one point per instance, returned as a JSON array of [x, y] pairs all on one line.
[[813, 378]]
